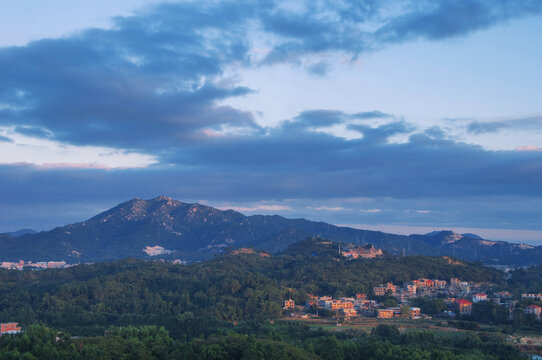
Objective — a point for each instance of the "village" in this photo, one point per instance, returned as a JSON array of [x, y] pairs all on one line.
[[21, 264], [458, 295]]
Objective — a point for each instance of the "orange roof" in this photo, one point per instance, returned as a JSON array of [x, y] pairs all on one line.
[[464, 302]]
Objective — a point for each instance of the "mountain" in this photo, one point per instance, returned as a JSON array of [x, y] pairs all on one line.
[[167, 228], [21, 232]]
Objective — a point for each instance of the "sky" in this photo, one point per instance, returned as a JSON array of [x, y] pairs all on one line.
[[402, 116]]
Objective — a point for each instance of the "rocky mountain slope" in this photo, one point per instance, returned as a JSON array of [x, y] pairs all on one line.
[[166, 228]]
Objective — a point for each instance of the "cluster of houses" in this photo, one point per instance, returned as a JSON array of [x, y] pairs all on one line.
[[454, 294], [353, 306], [21, 264]]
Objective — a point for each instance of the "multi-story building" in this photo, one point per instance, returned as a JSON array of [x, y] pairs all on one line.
[[533, 310], [349, 312], [505, 295], [464, 307], [289, 304], [476, 298], [424, 283], [410, 288], [339, 304], [9, 328], [384, 313], [382, 290], [531, 296], [368, 252]]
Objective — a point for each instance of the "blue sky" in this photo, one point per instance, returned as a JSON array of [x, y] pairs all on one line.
[[403, 116]]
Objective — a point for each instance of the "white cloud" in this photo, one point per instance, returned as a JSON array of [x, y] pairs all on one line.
[[43, 153], [256, 208]]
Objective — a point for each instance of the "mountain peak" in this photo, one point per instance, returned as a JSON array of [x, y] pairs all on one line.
[[162, 198], [446, 236]]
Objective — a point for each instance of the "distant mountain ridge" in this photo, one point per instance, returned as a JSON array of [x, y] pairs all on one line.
[[21, 232], [167, 228]]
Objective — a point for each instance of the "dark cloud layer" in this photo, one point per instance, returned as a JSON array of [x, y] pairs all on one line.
[[460, 184]]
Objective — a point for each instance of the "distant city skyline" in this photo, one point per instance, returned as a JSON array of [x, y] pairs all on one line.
[[398, 116]]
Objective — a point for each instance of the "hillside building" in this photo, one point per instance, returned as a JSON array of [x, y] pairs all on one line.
[[464, 307], [289, 304], [533, 310], [476, 298], [9, 328], [367, 252]]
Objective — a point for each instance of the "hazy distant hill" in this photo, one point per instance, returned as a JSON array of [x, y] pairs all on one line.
[[166, 228], [21, 232]]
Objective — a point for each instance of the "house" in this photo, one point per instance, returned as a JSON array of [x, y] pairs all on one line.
[[384, 313], [533, 310], [56, 264], [476, 298], [367, 252], [325, 303], [9, 328], [349, 312], [415, 311], [339, 304], [382, 290], [505, 295], [289, 304], [364, 304], [424, 283], [465, 307], [531, 296], [411, 288]]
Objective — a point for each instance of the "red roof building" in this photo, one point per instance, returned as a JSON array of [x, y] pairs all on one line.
[[533, 310], [465, 307], [9, 328]]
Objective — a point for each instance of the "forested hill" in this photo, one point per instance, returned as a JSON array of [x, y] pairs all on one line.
[[183, 298], [527, 280], [167, 228]]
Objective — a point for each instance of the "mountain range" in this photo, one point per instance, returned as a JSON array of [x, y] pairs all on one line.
[[167, 228]]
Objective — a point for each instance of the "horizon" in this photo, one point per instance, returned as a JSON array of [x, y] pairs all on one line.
[[398, 116]]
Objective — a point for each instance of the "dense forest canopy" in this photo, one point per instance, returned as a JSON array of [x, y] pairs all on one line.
[[283, 340], [85, 299]]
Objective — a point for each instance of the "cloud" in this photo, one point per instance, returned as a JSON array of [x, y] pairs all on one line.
[[256, 208], [381, 133], [528, 148], [320, 68], [153, 82], [422, 211], [518, 124], [439, 20], [329, 208], [478, 128], [147, 83]]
